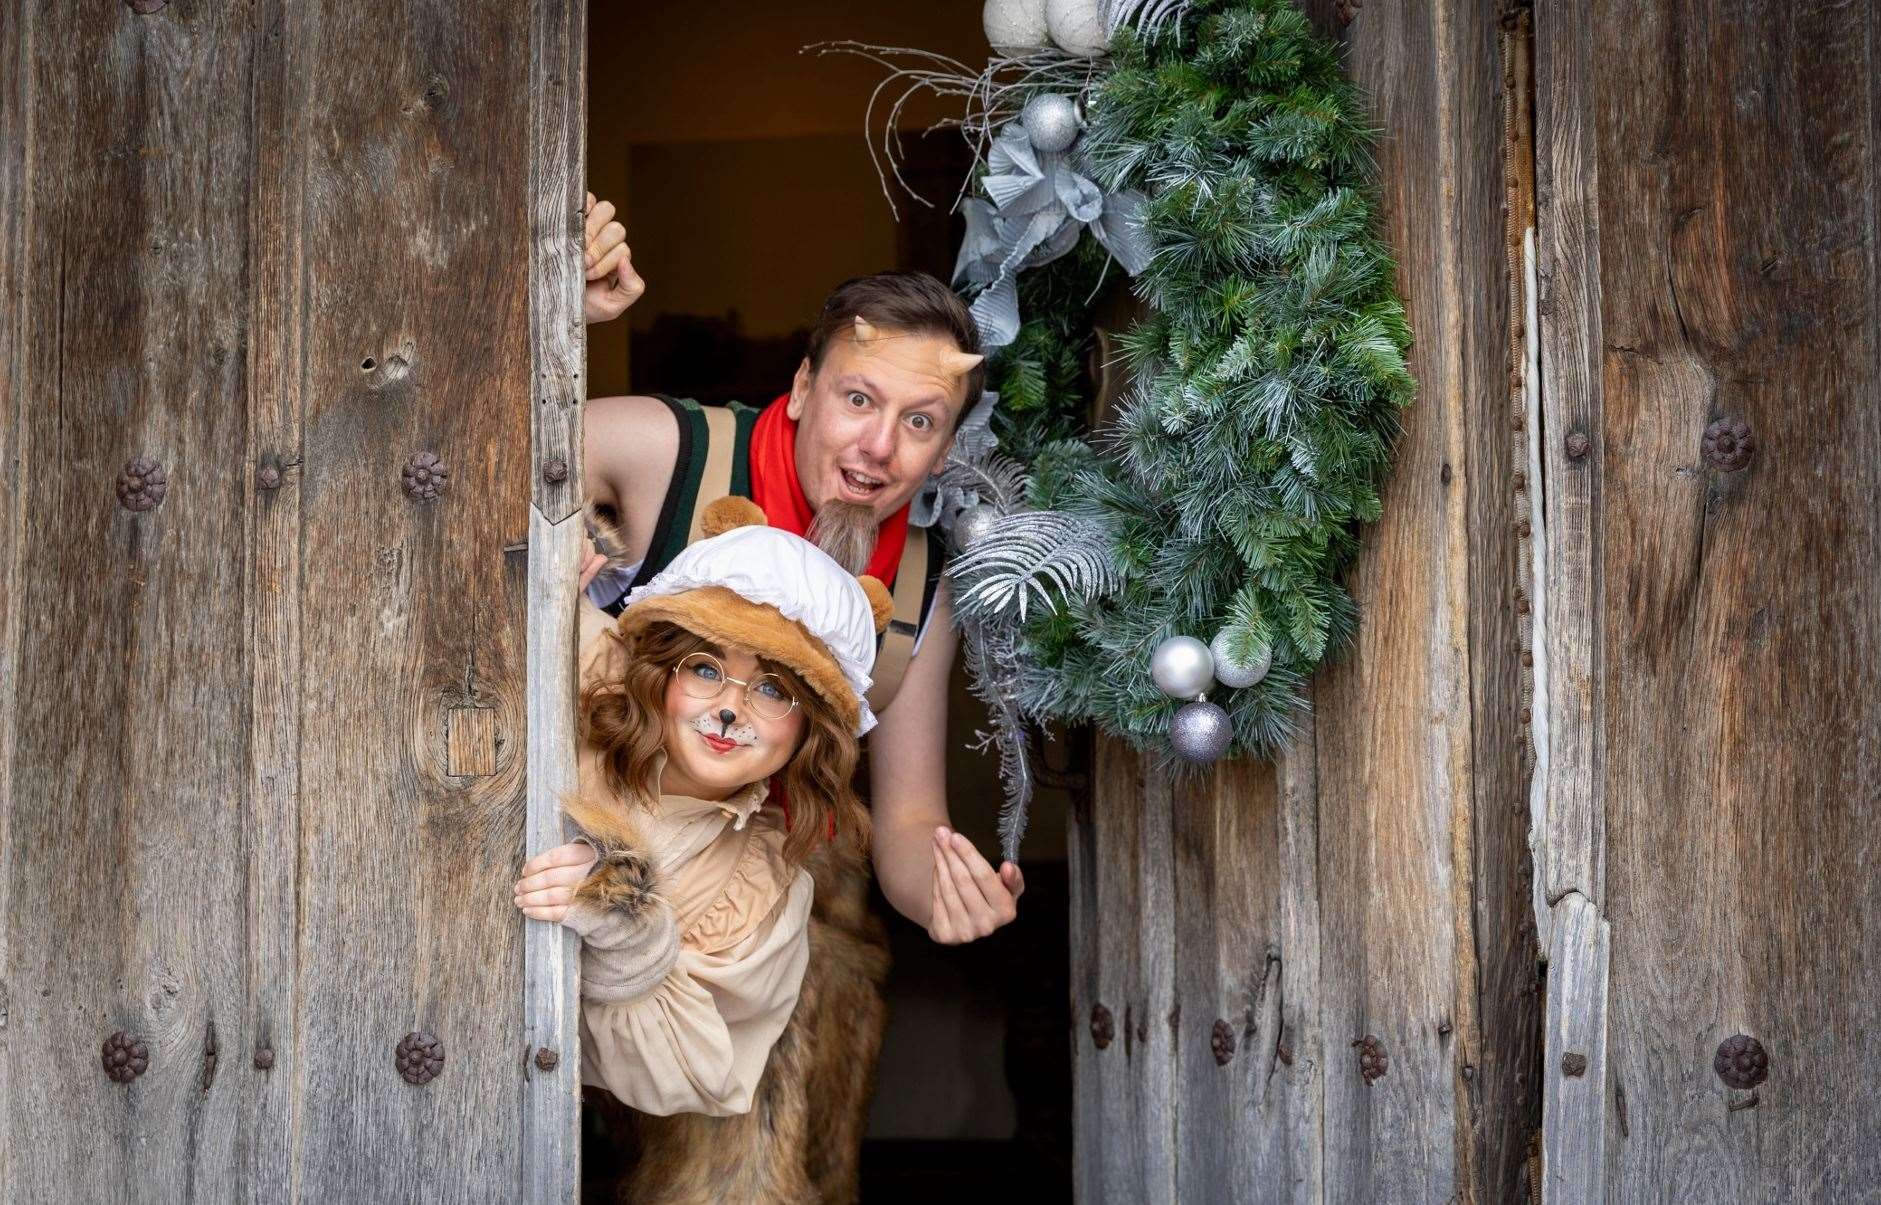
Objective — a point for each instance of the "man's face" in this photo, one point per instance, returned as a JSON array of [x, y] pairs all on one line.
[[875, 420]]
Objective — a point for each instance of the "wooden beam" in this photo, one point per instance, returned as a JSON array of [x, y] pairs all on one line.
[[551, 1163]]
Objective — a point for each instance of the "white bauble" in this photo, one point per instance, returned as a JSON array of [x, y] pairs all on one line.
[[1077, 26], [1015, 24], [1051, 122], [1182, 667], [1233, 672]]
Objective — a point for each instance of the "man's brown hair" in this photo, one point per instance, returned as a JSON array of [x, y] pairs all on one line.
[[902, 301], [625, 718]]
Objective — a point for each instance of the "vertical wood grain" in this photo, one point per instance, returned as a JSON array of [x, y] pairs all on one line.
[[278, 229], [551, 1160], [414, 136], [124, 834], [1712, 242], [16, 42]]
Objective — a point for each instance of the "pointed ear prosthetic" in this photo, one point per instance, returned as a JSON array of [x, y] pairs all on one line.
[[723, 514], [880, 600]]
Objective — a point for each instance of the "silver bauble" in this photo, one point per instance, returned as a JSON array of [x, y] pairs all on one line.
[[1234, 672], [1182, 667], [1077, 26], [1015, 24], [1051, 121], [1200, 733], [972, 524]]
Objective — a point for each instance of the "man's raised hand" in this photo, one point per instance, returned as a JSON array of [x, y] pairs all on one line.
[[970, 899], [612, 284]]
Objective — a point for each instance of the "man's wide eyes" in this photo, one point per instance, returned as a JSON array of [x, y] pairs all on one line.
[[858, 399]]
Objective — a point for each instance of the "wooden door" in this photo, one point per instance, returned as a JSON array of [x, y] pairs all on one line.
[[272, 345], [1708, 215], [1241, 940]]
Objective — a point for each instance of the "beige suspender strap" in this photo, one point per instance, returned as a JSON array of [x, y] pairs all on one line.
[[904, 624], [715, 481]]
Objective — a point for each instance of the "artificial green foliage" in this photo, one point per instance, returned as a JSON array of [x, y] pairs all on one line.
[[1269, 369]]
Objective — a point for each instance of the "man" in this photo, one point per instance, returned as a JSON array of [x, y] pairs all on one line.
[[874, 407]]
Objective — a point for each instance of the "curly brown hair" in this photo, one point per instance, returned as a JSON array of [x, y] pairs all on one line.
[[625, 718]]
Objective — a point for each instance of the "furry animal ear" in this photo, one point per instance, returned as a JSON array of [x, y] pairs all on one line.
[[622, 880], [723, 514], [606, 537], [880, 600]]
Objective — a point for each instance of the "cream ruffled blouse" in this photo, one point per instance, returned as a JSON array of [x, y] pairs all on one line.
[[698, 1040]]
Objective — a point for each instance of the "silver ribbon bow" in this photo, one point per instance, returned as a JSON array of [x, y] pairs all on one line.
[[1039, 205]]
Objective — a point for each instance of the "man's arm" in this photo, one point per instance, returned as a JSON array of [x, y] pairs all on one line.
[[931, 874], [629, 446]]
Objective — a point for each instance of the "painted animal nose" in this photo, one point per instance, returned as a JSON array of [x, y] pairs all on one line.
[[726, 715]]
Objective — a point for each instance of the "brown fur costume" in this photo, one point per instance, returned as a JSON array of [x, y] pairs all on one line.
[[801, 1140]]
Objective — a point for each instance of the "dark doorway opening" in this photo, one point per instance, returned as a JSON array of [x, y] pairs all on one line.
[[739, 167]]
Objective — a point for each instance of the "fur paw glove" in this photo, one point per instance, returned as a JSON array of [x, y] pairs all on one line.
[[630, 941]]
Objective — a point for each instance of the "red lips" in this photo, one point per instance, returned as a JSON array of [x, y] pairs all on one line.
[[719, 744]]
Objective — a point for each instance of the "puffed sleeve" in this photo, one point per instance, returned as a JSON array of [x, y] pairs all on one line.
[[698, 1042]]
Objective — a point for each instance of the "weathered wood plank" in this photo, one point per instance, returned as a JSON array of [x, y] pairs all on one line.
[[16, 42], [1417, 771], [1573, 456], [417, 342], [1503, 492], [1569, 844], [1229, 986], [269, 1059], [124, 836], [1296, 1156], [1736, 653], [551, 1154], [1575, 1073], [1124, 986]]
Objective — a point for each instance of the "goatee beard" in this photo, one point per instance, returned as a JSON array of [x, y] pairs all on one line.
[[845, 530]]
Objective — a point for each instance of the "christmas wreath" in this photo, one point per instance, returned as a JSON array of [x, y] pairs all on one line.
[[1173, 577]]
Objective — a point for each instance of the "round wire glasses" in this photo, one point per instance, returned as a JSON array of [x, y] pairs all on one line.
[[703, 676]]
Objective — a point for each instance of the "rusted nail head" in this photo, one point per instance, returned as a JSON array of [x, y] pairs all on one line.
[[419, 1057], [1221, 1042], [1741, 1061], [1578, 445], [555, 471], [425, 476], [1573, 1063], [269, 477], [546, 1059], [1103, 1027], [1728, 444], [142, 484], [124, 1057], [1373, 1062], [264, 1058]]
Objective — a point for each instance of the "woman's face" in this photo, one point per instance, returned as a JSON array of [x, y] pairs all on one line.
[[717, 743]]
